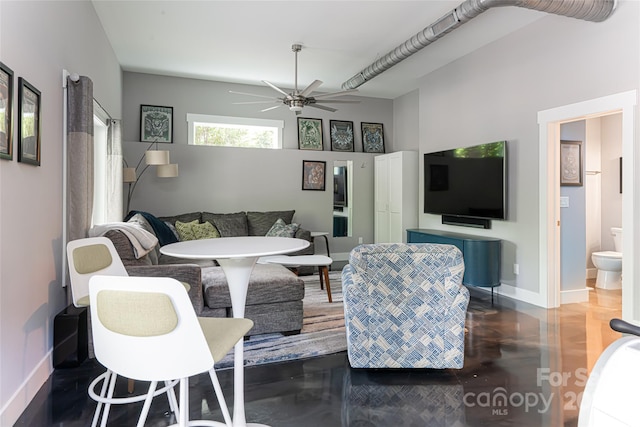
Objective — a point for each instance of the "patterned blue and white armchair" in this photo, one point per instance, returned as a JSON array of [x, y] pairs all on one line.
[[405, 306]]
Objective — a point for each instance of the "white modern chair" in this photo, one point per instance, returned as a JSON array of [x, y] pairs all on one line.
[[88, 257], [145, 328], [611, 393]]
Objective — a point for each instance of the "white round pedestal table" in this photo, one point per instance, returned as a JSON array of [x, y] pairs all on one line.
[[236, 256]]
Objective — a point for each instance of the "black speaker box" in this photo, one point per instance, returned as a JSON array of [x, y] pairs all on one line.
[[70, 337]]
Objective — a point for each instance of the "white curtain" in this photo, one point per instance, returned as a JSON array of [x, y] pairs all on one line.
[[79, 157], [115, 161]]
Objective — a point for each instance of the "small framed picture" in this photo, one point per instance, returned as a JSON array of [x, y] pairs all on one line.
[[156, 124], [310, 134], [571, 163], [28, 123], [341, 135], [372, 138], [313, 175], [6, 112]]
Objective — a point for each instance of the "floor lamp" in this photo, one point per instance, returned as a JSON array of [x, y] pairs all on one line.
[[158, 158]]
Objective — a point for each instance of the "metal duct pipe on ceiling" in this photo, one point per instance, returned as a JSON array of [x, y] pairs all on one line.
[[587, 10]]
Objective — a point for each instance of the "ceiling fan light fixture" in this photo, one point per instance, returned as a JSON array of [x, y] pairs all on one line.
[[296, 105]]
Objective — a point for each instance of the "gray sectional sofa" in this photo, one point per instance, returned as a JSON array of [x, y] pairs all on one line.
[[274, 295]]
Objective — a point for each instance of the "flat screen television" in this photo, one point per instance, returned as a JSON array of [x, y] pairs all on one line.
[[467, 182]]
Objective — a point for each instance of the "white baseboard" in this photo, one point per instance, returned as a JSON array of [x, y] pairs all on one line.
[[517, 294], [16, 405], [574, 295]]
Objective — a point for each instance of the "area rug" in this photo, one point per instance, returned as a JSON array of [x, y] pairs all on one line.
[[322, 331]]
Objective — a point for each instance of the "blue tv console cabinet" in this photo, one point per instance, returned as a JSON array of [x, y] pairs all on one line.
[[481, 254]]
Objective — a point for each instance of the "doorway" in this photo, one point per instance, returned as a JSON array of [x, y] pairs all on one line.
[[549, 122]]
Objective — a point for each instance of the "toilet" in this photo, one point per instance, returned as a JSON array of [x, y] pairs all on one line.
[[609, 263]]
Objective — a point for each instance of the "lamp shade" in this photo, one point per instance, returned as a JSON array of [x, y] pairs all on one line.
[[167, 171], [157, 157], [128, 175]]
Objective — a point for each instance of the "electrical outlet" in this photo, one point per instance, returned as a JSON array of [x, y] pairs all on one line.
[[359, 240], [516, 269]]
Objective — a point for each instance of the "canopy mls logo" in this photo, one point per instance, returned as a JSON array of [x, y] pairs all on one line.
[[499, 400]]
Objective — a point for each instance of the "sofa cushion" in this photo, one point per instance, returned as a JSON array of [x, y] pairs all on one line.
[[259, 223], [187, 217], [280, 229], [196, 231], [228, 225], [269, 283]]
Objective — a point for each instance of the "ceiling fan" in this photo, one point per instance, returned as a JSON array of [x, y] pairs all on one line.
[[298, 99]]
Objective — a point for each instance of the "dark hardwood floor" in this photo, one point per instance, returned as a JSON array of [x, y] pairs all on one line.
[[524, 366]]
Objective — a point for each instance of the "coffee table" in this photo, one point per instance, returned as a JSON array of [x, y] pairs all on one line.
[[236, 256], [320, 261]]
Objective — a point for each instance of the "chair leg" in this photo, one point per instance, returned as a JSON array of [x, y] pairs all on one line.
[[220, 396], [103, 393], [147, 404], [183, 420], [325, 272], [107, 406], [173, 402]]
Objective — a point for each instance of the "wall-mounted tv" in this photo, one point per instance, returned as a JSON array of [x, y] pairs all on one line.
[[467, 182]]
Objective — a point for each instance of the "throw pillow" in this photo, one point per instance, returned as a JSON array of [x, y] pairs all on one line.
[[228, 225], [260, 222], [281, 229], [195, 231]]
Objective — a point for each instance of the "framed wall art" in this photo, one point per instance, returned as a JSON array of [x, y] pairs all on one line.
[[310, 134], [156, 123], [571, 163], [28, 123], [6, 112], [313, 175], [341, 135], [372, 138]]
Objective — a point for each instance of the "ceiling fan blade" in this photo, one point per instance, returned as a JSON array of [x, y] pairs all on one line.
[[250, 94], [331, 95], [271, 108], [313, 86], [276, 88], [322, 107], [334, 101], [258, 102]]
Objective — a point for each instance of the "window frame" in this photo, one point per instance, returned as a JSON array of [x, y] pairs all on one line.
[[193, 118]]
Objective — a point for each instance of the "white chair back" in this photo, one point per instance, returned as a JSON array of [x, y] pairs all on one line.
[[145, 328], [87, 257]]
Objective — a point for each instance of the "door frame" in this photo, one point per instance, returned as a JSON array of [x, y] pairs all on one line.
[[549, 122]]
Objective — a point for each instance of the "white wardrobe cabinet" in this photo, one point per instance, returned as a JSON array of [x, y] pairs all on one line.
[[396, 196]]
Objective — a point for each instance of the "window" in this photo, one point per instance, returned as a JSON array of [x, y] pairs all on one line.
[[223, 131]]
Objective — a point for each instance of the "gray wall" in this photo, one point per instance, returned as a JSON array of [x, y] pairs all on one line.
[[496, 92], [224, 179], [38, 39], [573, 218]]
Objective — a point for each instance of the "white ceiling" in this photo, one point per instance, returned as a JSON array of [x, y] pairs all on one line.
[[249, 41]]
